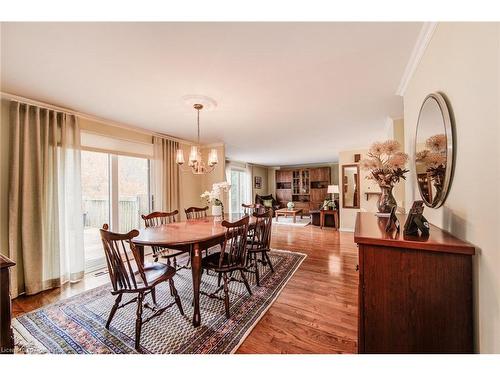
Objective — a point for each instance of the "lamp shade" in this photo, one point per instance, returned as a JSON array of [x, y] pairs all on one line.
[[333, 189]]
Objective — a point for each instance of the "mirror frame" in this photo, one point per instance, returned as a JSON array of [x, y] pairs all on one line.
[[357, 184], [450, 143]]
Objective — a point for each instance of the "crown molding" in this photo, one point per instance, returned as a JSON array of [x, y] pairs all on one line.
[[421, 44], [22, 99]]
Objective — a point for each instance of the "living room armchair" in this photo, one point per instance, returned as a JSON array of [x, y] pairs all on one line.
[[267, 201]]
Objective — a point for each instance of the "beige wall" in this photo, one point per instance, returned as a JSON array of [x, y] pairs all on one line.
[[397, 132], [114, 131], [263, 173], [4, 175], [462, 61]]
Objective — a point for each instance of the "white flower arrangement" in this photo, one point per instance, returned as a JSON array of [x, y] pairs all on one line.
[[215, 196]]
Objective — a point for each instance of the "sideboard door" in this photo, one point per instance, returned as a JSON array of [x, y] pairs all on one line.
[[415, 301]]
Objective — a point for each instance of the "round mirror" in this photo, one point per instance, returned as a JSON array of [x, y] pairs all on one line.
[[434, 150]]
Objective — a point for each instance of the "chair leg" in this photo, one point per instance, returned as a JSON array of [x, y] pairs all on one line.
[[256, 264], [175, 262], [113, 310], [138, 322], [219, 278], [171, 289], [176, 296], [269, 261], [226, 296], [153, 295], [245, 281]]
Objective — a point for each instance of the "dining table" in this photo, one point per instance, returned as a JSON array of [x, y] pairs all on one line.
[[191, 236]]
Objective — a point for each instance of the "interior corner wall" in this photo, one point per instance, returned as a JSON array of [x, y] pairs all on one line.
[[462, 61], [262, 172]]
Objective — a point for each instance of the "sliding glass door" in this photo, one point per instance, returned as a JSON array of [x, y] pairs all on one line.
[[96, 204], [240, 189], [115, 191], [133, 192]]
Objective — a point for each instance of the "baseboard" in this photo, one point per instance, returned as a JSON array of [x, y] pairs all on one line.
[[342, 229]]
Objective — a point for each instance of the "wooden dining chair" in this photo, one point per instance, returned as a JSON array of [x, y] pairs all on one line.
[[196, 212], [231, 258], [155, 219], [259, 243], [130, 276]]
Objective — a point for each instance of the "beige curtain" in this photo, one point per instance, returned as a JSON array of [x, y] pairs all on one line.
[[45, 221], [165, 175]]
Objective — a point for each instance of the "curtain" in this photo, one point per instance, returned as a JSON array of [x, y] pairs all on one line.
[[165, 175], [45, 204]]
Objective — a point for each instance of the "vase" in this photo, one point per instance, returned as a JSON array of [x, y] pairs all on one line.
[[217, 211], [386, 200]]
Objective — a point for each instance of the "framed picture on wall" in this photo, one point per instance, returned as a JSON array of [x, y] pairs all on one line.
[[257, 182]]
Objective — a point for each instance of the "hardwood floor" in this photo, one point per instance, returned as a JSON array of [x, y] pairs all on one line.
[[315, 313]]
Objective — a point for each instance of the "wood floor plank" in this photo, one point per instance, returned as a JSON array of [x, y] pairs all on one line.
[[316, 311]]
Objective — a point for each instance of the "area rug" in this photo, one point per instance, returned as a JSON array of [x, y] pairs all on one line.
[[76, 325], [299, 222]]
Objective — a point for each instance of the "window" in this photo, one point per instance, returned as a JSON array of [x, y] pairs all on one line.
[[96, 207], [115, 190], [133, 192], [240, 189]]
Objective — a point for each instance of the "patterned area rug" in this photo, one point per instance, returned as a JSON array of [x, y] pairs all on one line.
[[76, 325]]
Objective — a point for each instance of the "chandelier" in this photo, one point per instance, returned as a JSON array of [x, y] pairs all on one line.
[[196, 163]]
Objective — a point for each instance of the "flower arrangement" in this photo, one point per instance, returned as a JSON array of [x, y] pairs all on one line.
[[386, 164], [434, 155], [215, 196]]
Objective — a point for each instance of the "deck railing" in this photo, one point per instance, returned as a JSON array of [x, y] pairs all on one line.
[[96, 212]]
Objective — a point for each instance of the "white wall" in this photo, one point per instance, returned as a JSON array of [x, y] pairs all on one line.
[[463, 62]]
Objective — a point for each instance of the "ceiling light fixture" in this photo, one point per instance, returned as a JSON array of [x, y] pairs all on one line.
[[196, 163]]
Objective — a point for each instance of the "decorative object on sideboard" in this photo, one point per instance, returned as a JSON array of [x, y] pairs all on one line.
[[434, 141], [416, 222], [386, 164], [215, 198], [196, 163], [392, 221]]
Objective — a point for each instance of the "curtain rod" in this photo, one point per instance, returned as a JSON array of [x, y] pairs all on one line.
[[38, 103]]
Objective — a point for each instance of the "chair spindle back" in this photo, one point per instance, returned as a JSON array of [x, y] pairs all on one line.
[[234, 249], [196, 212], [155, 219], [262, 233], [119, 260]]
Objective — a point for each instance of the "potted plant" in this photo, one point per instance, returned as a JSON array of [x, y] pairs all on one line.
[[290, 205], [386, 164], [214, 197]]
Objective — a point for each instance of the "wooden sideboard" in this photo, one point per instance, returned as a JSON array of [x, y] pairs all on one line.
[[415, 294], [306, 187], [6, 334]]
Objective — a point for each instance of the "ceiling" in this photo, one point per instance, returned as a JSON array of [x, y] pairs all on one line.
[[287, 93]]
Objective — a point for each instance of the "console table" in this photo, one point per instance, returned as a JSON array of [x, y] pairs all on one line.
[[6, 334], [415, 294]]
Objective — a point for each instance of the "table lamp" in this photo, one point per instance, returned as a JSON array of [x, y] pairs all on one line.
[[333, 189]]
